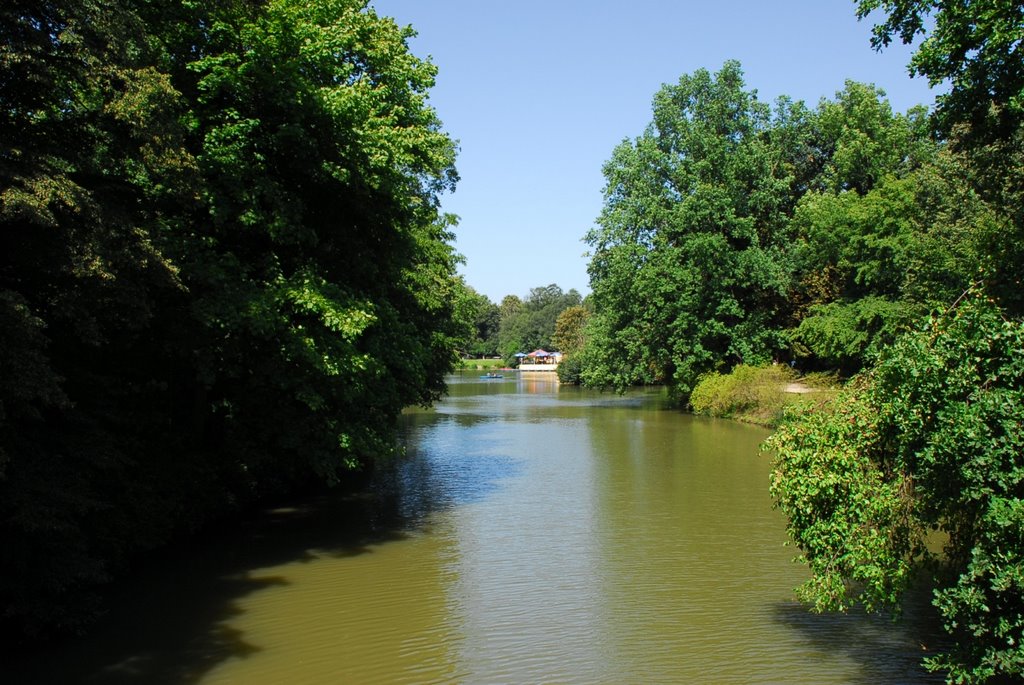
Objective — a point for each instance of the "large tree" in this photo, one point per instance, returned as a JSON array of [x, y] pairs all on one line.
[[687, 267], [322, 249], [223, 270]]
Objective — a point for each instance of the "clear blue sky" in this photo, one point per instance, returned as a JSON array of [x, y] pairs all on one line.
[[538, 93]]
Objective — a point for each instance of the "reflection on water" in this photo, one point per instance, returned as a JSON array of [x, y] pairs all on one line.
[[531, 533]]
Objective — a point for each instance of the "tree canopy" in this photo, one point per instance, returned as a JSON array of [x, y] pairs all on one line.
[[930, 437], [736, 233], [973, 45], [223, 270], [686, 266]]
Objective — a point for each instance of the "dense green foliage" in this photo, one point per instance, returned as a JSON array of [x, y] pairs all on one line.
[[687, 266], [972, 44], [735, 234], [570, 338], [519, 325], [868, 265], [222, 270], [931, 438], [570, 329], [483, 319], [525, 325], [756, 394]]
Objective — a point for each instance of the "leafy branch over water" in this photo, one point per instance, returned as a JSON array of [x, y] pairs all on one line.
[[223, 271], [929, 440]]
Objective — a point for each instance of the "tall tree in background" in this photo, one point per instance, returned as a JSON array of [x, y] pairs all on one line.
[[529, 324], [687, 268], [570, 338], [509, 313], [868, 267], [483, 318], [570, 329]]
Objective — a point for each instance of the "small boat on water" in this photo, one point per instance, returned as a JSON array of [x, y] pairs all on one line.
[[488, 376]]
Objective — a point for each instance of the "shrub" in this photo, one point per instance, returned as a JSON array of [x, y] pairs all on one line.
[[929, 440], [570, 369], [749, 393]]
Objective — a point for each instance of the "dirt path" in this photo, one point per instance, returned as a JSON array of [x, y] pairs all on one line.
[[799, 388]]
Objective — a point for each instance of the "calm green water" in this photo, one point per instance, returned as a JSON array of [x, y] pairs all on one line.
[[532, 534]]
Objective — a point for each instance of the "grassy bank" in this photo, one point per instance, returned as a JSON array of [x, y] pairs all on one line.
[[758, 394], [483, 364]]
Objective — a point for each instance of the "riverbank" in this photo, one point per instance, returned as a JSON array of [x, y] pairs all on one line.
[[483, 364], [759, 395]]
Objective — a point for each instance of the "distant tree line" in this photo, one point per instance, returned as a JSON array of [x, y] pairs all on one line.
[[546, 318], [223, 271], [885, 246]]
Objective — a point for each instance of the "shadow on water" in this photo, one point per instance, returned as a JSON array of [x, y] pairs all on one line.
[[885, 649], [171, 624], [176, 622]]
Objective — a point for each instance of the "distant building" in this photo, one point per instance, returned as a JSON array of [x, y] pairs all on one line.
[[540, 360]]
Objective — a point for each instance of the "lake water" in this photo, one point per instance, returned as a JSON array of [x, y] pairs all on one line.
[[531, 533]]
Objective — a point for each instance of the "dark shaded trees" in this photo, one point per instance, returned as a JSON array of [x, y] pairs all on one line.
[[222, 270], [321, 242], [92, 153]]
